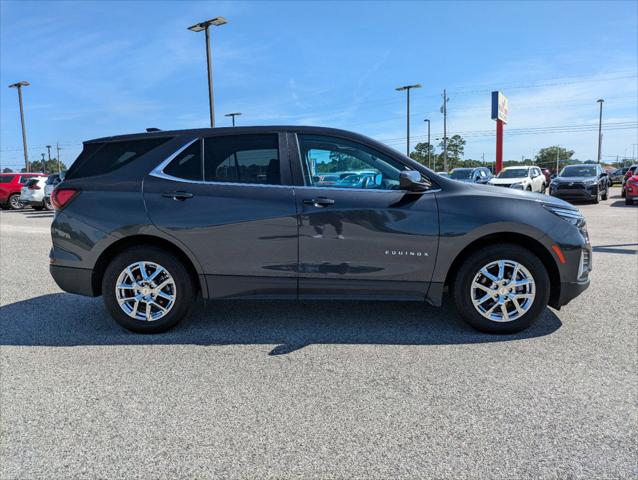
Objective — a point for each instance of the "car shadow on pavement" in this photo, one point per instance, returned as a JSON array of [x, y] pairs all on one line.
[[63, 319], [621, 204]]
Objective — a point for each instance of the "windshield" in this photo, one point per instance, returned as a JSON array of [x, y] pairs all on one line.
[[461, 173], [513, 173], [578, 171]]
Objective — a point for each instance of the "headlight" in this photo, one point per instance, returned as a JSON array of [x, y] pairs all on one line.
[[518, 185], [590, 182], [572, 216]]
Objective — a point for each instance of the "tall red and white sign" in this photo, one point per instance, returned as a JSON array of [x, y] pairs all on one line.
[[499, 113]]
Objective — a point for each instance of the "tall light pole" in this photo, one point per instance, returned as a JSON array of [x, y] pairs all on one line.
[[57, 147], [49, 150], [600, 127], [19, 86], [233, 115], [407, 88], [429, 162], [444, 112], [217, 21]]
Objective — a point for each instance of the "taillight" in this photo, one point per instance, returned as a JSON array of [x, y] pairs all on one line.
[[60, 197]]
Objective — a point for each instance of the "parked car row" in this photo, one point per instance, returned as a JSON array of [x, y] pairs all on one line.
[[18, 190], [586, 182]]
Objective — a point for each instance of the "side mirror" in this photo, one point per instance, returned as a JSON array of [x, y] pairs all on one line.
[[411, 180]]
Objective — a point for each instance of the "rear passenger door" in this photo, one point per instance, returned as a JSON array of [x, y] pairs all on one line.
[[229, 199]]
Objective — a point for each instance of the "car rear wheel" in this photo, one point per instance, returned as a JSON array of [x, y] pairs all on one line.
[[147, 289], [502, 288], [15, 203], [605, 195], [629, 201], [47, 203]]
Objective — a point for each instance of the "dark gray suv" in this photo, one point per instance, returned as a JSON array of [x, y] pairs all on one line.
[[149, 221]]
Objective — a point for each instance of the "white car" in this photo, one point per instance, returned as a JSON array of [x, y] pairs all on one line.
[[32, 192], [526, 178]]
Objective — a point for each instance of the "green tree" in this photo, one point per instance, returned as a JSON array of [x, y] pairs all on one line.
[[420, 153], [546, 157], [7, 170], [455, 148], [46, 166]]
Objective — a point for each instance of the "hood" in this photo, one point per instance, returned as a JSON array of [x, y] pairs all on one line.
[[507, 181], [511, 193], [574, 179]]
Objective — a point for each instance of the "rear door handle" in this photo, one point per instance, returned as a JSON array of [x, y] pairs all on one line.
[[181, 196], [319, 201]]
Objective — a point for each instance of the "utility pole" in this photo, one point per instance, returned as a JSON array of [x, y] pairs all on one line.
[[19, 86], [57, 147], [429, 148], [49, 150], [444, 111], [217, 21], [407, 88], [557, 161], [600, 127]]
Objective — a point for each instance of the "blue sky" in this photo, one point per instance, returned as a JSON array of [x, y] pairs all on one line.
[[102, 68]]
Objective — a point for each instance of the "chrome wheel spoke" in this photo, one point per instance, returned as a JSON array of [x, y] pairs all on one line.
[[506, 317], [166, 296], [153, 275], [149, 316], [480, 286], [489, 275]]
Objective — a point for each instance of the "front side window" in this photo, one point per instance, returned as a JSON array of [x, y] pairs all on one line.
[[242, 159], [340, 163]]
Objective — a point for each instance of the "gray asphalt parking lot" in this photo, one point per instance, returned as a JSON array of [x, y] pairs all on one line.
[[318, 390]]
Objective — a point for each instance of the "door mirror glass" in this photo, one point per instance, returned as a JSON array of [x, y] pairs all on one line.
[[412, 181]]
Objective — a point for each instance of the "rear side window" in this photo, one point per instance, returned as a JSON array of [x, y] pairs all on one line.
[[188, 164], [6, 178], [101, 158], [242, 159]]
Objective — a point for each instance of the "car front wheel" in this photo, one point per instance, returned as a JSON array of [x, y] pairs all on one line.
[[502, 288], [147, 289]]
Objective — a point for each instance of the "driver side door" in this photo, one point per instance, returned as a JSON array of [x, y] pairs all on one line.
[[362, 239]]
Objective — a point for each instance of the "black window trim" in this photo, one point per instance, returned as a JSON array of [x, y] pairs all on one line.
[[284, 166]]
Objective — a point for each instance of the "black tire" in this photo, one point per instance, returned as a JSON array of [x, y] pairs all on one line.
[[185, 288], [529, 189], [15, 203], [622, 192], [39, 208], [629, 201], [47, 203], [597, 197], [461, 287], [606, 194]]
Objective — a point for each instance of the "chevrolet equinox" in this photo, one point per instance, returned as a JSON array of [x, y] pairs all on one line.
[[151, 220]]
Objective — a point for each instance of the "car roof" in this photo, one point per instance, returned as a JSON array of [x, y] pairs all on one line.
[[237, 130]]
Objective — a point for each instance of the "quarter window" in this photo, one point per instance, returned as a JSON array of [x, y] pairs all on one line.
[[188, 164], [6, 178], [339, 163], [242, 159]]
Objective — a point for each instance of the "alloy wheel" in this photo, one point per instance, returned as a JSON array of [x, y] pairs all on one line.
[[503, 291], [15, 202], [145, 291]]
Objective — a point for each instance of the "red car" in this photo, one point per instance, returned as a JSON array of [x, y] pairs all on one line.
[[10, 186], [630, 189], [630, 173]]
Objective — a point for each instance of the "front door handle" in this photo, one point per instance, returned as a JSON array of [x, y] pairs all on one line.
[[178, 195], [319, 202]]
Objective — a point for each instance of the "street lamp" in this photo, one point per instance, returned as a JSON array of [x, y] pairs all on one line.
[[407, 88], [198, 27], [19, 86], [233, 115], [429, 162], [600, 127]]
